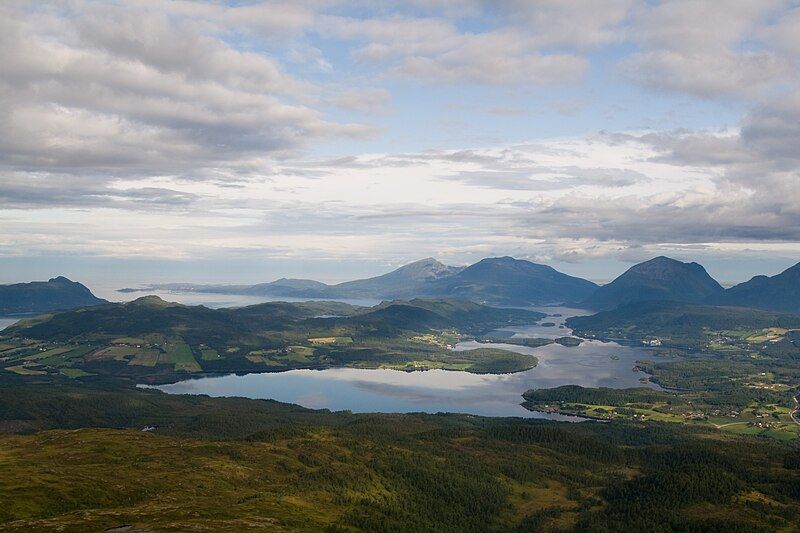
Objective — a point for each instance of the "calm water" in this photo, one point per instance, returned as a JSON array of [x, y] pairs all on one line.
[[591, 365], [7, 321], [212, 300]]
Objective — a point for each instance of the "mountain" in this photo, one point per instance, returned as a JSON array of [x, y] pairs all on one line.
[[509, 281], [40, 296], [661, 278], [407, 281], [777, 293], [500, 281], [294, 288]]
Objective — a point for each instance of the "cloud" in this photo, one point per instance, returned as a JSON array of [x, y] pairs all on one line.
[[123, 89], [699, 48], [435, 50], [200, 128], [553, 178], [23, 191]]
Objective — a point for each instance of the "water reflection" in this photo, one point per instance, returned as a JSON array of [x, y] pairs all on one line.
[[592, 364], [386, 391]]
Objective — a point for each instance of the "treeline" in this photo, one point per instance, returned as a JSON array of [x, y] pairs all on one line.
[[601, 395]]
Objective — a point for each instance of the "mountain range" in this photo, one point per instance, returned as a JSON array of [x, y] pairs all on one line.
[[778, 293], [40, 296], [506, 281], [498, 281]]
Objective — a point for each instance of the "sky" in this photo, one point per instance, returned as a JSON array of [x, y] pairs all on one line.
[[155, 141]]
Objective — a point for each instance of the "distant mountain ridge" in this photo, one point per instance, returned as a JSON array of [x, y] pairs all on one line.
[[57, 293], [506, 281], [779, 293], [665, 279], [661, 278], [498, 281]]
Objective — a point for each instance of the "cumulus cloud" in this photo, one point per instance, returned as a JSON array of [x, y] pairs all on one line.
[[99, 88]]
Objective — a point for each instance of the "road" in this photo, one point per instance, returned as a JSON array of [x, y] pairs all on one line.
[[795, 414]]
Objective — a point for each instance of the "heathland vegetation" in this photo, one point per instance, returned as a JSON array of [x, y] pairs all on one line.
[[98, 458]]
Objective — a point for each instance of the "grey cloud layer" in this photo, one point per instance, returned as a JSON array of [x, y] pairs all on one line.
[[116, 89]]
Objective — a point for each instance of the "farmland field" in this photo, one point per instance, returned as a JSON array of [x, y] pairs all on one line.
[[181, 356], [209, 354], [145, 358]]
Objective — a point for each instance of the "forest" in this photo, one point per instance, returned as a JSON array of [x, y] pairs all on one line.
[[100, 458]]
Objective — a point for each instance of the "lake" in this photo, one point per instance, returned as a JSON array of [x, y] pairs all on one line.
[[6, 321], [592, 364]]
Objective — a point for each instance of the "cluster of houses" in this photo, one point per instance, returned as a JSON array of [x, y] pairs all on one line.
[[651, 341]]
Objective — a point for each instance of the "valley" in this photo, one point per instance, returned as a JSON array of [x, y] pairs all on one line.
[[311, 415]]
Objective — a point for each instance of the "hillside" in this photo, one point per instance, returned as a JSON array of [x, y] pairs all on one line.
[[41, 296], [660, 278], [637, 320], [232, 464], [777, 293], [153, 339]]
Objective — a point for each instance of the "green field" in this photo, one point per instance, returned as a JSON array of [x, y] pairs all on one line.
[[145, 357], [180, 355], [73, 373], [116, 353], [48, 353], [209, 354], [22, 371]]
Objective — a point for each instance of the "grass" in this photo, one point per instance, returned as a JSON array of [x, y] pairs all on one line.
[[78, 352], [128, 340], [331, 340], [47, 354], [209, 354], [73, 373], [181, 356], [299, 354], [22, 371], [145, 358], [115, 353]]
